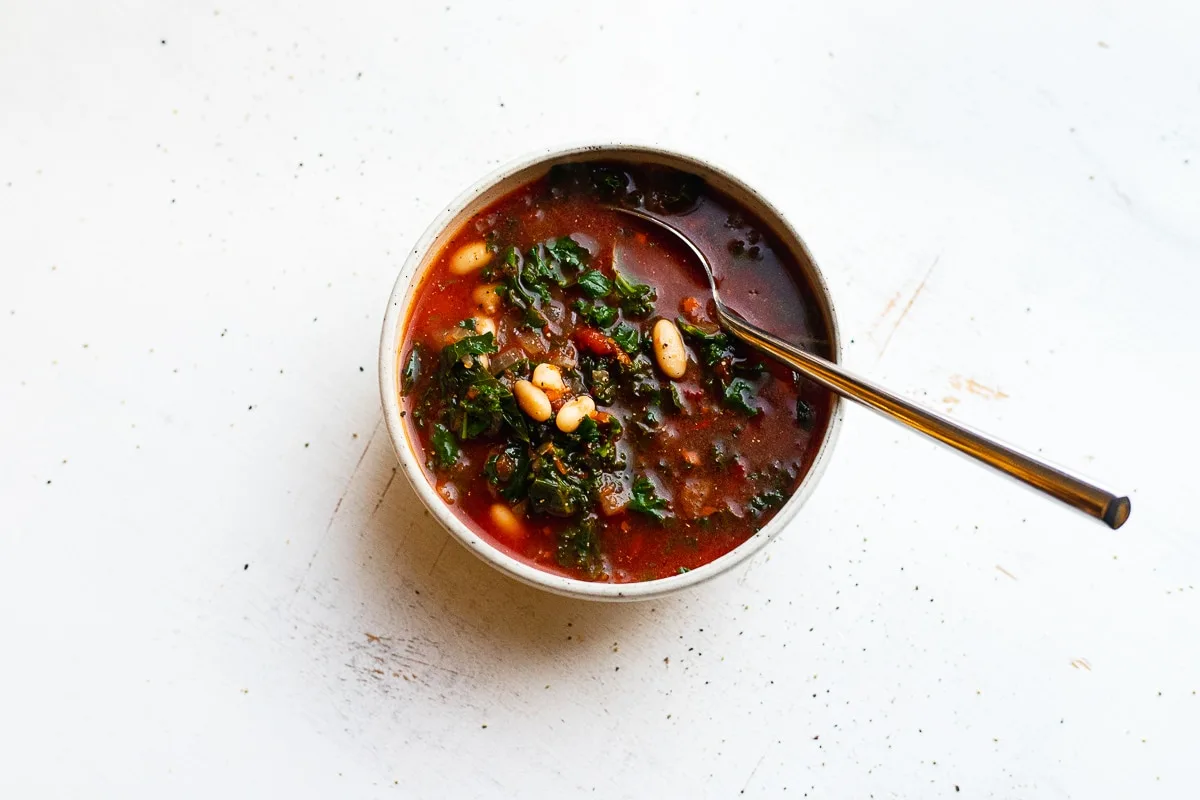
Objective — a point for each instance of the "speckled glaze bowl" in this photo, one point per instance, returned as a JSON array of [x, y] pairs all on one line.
[[482, 194]]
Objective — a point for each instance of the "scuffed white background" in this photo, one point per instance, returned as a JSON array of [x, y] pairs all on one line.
[[211, 585]]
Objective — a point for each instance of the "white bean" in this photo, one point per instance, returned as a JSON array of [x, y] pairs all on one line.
[[507, 523], [486, 298], [485, 325], [668, 349], [548, 377], [469, 258], [533, 401], [573, 412]]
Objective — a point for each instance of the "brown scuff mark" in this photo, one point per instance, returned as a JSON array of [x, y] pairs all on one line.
[[907, 306], [372, 637], [1081, 663], [888, 308], [972, 386], [1006, 572]]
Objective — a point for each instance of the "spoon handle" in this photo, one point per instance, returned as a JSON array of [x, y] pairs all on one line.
[[1059, 484]]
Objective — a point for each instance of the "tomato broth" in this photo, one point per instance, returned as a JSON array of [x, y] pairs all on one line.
[[627, 457]]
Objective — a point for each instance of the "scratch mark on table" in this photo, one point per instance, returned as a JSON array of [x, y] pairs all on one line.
[[746, 785], [345, 490], [383, 494], [439, 555], [1006, 572], [908, 306], [1117, 189], [1081, 663]]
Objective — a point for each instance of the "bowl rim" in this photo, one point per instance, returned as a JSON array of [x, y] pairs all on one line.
[[396, 319]]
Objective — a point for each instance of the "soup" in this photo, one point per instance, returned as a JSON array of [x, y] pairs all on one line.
[[573, 400]]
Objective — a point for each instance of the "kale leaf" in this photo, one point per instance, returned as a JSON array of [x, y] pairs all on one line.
[[568, 252], [765, 501], [508, 470], [597, 313], [594, 284], [600, 385], [474, 403], [806, 415], [482, 344], [739, 395], [599, 441], [644, 499], [627, 337], [523, 296], [579, 549], [713, 346], [717, 352], [556, 488], [412, 370], [445, 446], [635, 299]]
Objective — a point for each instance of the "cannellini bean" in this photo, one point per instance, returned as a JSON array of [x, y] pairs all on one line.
[[486, 298], [469, 258], [573, 412], [533, 401], [668, 349], [507, 523], [548, 377], [485, 325]]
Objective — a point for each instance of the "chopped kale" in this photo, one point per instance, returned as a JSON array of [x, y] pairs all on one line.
[[766, 501], [469, 324], [474, 403], [469, 346], [713, 346], [594, 284], [597, 313], [412, 371], [674, 398], [600, 385], [579, 549], [641, 380], [508, 470], [599, 440], [718, 353], [445, 446], [806, 415], [568, 253], [541, 269], [627, 337], [557, 489], [523, 286], [671, 191], [739, 395], [645, 500], [635, 299]]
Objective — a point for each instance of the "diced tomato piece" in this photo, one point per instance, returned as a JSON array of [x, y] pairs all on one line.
[[596, 343]]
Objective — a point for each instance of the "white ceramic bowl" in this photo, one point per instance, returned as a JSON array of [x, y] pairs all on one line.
[[478, 197]]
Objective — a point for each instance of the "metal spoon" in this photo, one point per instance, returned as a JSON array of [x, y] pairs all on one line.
[[1053, 481]]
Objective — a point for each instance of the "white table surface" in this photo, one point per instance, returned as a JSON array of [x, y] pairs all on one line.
[[213, 583]]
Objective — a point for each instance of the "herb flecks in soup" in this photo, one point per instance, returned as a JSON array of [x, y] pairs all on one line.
[[575, 402]]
